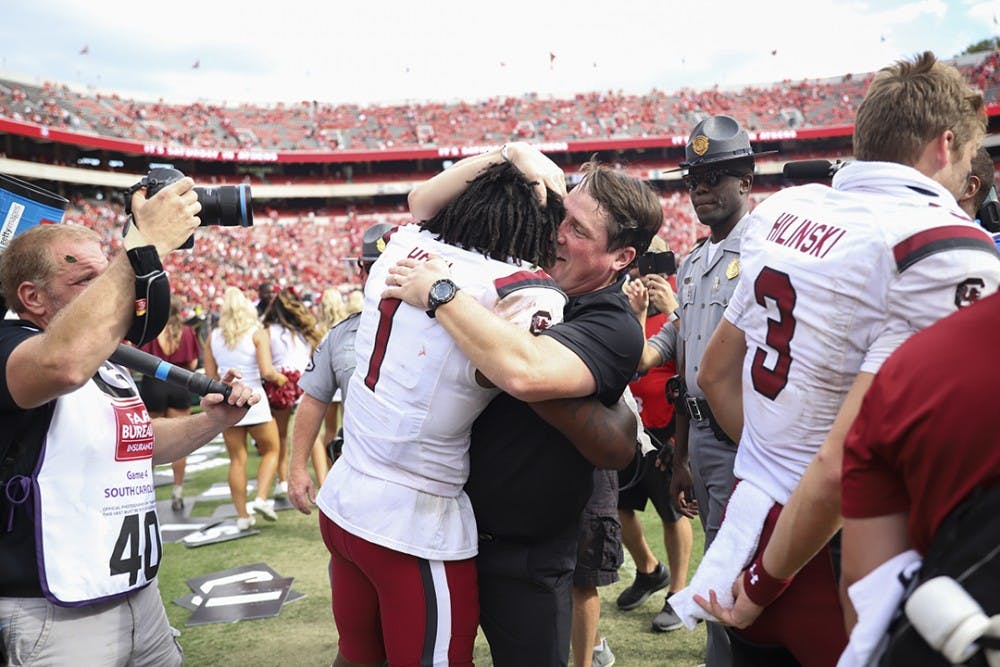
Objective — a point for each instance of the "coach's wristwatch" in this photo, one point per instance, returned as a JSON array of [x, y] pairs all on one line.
[[442, 291]]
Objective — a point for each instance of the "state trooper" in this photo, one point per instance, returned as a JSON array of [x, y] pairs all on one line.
[[719, 166]]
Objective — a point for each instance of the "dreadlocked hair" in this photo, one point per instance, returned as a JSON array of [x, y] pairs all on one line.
[[499, 216]]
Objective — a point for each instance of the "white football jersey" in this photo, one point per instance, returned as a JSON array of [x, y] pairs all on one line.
[[833, 280], [414, 396]]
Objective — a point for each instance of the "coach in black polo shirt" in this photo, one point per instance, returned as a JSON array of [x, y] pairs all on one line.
[[528, 483]]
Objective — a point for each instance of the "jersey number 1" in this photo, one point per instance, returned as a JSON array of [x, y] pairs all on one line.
[[777, 287], [386, 311]]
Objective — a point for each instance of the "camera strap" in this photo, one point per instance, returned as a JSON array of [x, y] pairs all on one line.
[[152, 295], [129, 191]]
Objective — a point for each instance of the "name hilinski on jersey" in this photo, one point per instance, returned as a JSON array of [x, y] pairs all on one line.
[[810, 237]]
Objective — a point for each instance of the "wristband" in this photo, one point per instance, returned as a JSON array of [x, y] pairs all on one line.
[[144, 260], [761, 587]]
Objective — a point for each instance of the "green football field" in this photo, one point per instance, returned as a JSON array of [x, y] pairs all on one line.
[[303, 633]]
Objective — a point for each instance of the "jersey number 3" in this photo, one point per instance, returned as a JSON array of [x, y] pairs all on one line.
[[777, 287]]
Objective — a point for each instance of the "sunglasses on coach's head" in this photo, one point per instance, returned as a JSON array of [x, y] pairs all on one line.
[[710, 177]]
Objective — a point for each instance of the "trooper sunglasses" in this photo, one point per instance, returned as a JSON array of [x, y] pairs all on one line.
[[710, 177]]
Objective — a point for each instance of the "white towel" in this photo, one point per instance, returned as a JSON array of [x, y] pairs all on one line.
[[729, 554], [876, 598], [645, 444]]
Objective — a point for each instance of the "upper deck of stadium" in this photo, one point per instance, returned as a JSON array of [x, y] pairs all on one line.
[[312, 129]]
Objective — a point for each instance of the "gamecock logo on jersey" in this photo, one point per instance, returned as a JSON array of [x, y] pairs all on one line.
[[541, 321], [968, 292]]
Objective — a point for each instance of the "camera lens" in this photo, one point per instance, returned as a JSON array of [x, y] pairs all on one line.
[[226, 206]]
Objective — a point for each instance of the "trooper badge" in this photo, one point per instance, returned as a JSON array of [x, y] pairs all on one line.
[[699, 145]]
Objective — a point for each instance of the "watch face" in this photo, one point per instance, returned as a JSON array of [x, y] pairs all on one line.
[[442, 290]]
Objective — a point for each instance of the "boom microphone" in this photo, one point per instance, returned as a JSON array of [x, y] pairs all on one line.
[[811, 170], [147, 364]]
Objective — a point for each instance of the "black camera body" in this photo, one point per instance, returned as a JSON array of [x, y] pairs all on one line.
[[224, 205], [657, 262]]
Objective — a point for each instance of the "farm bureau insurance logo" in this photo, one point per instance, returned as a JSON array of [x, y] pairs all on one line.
[[134, 430]]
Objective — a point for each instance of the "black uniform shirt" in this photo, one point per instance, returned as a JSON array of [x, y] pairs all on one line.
[[527, 481]]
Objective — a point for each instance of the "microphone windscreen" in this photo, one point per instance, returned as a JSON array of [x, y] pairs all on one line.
[[810, 170]]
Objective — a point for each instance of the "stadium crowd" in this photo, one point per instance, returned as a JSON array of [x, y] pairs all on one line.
[[313, 125]]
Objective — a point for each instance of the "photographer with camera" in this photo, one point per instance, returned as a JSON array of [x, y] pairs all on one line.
[[79, 552]]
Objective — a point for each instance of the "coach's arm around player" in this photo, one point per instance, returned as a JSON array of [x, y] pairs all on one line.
[[535, 369]]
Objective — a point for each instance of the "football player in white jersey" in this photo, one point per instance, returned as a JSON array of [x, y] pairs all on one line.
[[400, 529], [833, 280], [529, 482]]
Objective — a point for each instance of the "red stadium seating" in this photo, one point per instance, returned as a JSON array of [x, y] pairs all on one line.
[[318, 126]]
